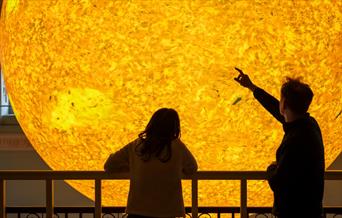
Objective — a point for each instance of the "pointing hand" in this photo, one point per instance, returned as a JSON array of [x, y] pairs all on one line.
[[244, 80]]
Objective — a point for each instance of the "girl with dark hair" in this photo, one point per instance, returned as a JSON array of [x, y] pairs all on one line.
[[156, 161]]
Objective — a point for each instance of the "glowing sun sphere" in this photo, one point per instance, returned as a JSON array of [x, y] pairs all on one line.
[[85, 76]]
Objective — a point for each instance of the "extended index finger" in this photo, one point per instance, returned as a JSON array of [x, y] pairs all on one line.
[[240, 71]]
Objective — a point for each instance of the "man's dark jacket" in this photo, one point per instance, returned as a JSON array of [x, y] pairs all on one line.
[[298, 178]]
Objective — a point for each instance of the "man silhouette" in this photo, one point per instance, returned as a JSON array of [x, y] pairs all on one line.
[[297, 176]]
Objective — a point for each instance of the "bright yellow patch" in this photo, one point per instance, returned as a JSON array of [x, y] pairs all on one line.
[[78, 108], [11, 6]]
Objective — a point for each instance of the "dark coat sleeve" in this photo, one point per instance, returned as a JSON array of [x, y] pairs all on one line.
[[118, 161], [270, 103], [288, 166], [189, 162], [297, 162]]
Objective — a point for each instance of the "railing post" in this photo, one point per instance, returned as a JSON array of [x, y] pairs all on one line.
[[194, 196], [243, 198], [49, 198], [2, 198], [98, 198]]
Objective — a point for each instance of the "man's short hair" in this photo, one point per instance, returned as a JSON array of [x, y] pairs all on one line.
[[297, 95]]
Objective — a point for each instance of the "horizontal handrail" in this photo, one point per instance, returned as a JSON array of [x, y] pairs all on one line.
[[49, 176], [91, 175]]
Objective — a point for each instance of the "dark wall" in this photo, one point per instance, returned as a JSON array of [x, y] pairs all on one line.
[[0, 6], [32, 193]]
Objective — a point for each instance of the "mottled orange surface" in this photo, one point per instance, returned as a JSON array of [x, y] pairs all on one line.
[[85, 76]]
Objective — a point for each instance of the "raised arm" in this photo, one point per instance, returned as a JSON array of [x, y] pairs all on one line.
[[270, 103]]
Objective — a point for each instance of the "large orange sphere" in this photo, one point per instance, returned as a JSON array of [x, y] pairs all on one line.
[[85, 76]]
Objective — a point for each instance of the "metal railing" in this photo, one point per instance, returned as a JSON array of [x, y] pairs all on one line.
[[98, 176], [119, 212]]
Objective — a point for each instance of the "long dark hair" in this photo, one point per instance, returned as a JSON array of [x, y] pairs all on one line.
[[161, 130]]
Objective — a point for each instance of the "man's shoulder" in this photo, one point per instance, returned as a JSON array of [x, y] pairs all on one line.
[[313, 126], [306, 125], [314, 122]]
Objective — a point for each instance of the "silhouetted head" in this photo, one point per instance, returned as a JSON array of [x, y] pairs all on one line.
[[295, 96], [161, 130]]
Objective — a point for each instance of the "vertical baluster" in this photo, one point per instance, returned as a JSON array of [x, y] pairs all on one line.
[[98, 198], [2, 198], [243, 198], [49, 198], [194, 197]]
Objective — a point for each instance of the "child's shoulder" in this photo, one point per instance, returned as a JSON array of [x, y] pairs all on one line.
[[134, 143], [178, 142]]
